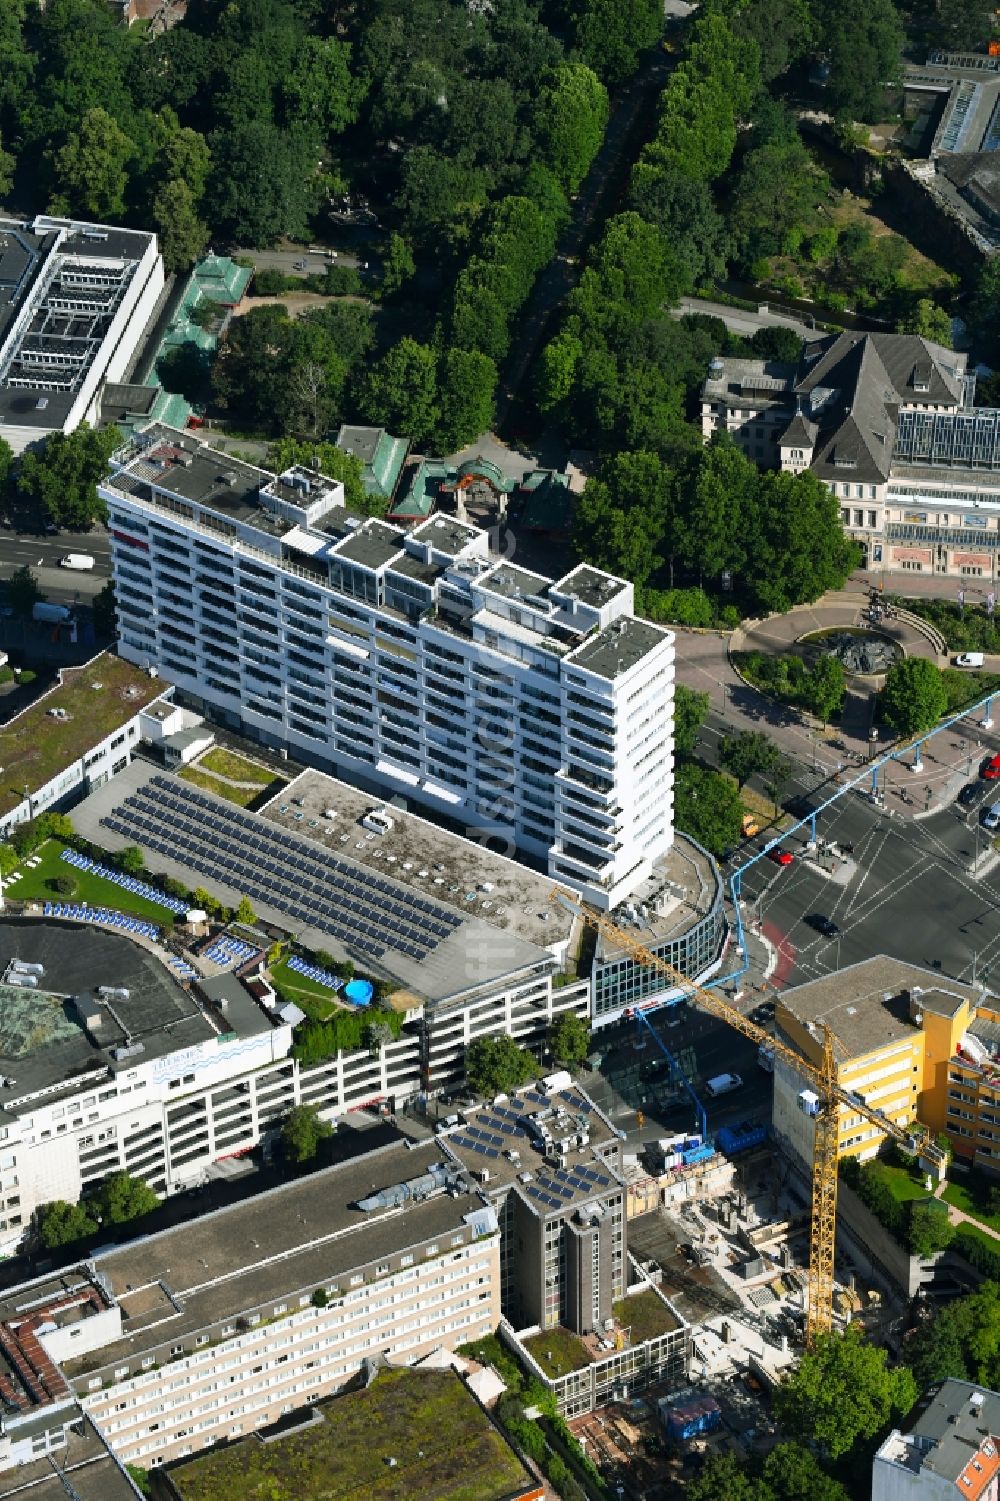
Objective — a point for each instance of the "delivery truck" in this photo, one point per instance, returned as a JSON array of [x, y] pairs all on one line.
[[81, 562]]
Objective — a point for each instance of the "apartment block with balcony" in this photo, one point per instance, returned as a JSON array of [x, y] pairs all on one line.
[[216, 1328], [534, 711]]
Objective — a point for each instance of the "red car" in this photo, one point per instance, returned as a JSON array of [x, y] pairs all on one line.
[[991, 771], [783, 857]]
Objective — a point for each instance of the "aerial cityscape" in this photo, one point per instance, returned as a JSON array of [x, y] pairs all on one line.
[[499, 750]]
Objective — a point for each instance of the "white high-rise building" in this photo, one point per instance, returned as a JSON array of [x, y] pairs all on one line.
[[538, 713]]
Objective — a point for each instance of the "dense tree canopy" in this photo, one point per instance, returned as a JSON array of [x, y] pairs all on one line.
[[914, 696], [842, 1393]]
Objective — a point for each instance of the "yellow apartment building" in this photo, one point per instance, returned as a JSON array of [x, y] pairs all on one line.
[[911, 1042]]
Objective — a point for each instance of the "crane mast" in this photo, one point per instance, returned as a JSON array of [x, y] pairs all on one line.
[[831, 1095]]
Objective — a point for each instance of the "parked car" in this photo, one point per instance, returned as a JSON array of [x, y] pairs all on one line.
[[763, 1013], [968, 794], [823, 924], [785, 857], [970, 659], [991, 769]]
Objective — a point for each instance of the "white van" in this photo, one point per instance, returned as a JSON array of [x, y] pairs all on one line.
[[970, 659], [82, 562], [722, 1084]]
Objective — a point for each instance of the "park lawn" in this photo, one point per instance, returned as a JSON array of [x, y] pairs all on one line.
[[236, 767], [645, 1314], [444, 1445], [969, 1202], [566, 1351], [94, 890], [316, 1001], [241, 796], [989, 1241]]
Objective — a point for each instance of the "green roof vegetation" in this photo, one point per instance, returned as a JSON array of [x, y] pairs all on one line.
[[646, 1315], [443, 1444], [317, 1001], [235, 767], [241, 796], [97, 699], [557, 1352]]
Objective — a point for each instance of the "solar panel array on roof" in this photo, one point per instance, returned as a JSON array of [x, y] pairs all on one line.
[[365, 913]]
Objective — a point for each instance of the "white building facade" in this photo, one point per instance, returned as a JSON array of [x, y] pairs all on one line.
[[537, 713]]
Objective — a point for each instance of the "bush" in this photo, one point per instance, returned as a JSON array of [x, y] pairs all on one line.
[[270, 282], [6, 674], [977, 1253], [336, 281], [65, 885]]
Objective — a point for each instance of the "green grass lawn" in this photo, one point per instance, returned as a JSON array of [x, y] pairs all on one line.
[[94, 890], [901, 1183], [316, 1001], [241, 796], [444, 1446], [237, 768], [557, 1352], [972, 1200], [646, 1314]]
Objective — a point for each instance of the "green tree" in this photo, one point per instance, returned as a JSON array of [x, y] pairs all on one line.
[[557, 367], [723, 1477], [930, 1229], [928, 319], [245, 913], [782, 31], [777, 189], [466, 387], [914, 697], [496, 1065], [611, 35], [319, 91], [301, 1133], [400, 392], [863, 43], [621, 517], [793, 532], [793, 1473], [8, 166], [777, 344], [825, 687], [571, 113], [60, 1224], [748, 754], [712, 497], [91, 170], [707, 806], [569, 1039], [264, 182], [58, 481], [140, 1479], [690, 711], [23, 591], [842, 1393], [131, 860], [398, 265], [963, 25], [183, 236], [122, 1198], [683, 209]]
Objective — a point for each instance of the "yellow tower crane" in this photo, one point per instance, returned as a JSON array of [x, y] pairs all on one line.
[[831, 1095]]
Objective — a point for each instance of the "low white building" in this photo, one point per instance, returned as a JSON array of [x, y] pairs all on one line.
[[75, 737], [75, 301], [222, 1326]]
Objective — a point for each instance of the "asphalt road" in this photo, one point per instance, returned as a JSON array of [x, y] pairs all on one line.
[[42, 554], [910, 890]]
